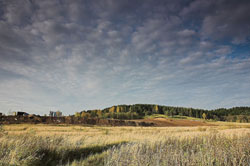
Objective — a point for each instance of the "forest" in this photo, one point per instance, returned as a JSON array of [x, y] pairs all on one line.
[[139, 111]]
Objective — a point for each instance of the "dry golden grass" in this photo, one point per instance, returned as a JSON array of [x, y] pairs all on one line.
[[97, 134], [93, 142]]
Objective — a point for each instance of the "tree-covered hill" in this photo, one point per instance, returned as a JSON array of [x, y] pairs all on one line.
[[137, 111]]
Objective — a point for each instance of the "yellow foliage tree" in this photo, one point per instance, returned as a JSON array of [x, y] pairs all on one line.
[[99, 113], [112, 109], [156, 109], [204, 116], [85, 115], [58, 113], [117, 109], [77, 114]]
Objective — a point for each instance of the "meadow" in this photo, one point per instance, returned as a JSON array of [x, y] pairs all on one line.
[[72, 145]]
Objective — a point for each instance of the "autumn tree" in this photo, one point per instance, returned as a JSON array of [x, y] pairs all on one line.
[[156, 109], [118, 109], [204, 116], [77, 114], [85, 115], [112, 109], [58, 113], [99, 113]]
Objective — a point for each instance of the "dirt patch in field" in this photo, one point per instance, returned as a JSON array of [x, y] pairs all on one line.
[[163, 122]]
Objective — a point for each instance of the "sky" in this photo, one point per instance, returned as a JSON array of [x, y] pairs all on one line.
[[73, 55]]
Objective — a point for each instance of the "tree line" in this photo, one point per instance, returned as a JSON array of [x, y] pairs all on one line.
[[138, 111]]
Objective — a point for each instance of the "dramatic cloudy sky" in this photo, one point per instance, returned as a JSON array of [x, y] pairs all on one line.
[[73, 55]]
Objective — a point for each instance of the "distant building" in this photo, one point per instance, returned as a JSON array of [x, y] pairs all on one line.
[[55, 114]]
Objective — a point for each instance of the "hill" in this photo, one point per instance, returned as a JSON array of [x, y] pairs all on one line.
[[140, 111]]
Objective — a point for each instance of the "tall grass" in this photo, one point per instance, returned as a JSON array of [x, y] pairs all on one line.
[[31, 150], [33, 145], [208, 150]]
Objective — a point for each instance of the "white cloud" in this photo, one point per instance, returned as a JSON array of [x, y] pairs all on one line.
[[223, 50], [186, 33]]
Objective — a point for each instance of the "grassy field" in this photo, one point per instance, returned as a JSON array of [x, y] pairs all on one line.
[[224, 144]]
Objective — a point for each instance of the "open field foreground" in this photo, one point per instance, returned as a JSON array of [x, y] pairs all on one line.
[[71, 145]]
